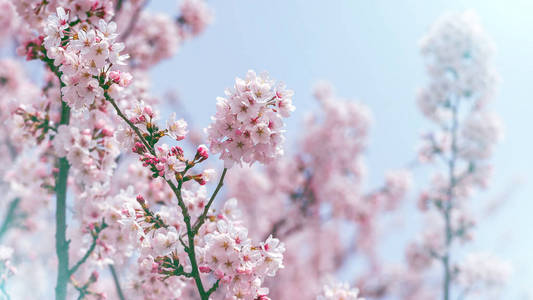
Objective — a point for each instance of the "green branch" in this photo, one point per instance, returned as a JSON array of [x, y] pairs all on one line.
[[10, 217], [201, 218]]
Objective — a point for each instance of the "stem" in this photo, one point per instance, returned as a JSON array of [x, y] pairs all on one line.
[[95, 236], [449, 204], [10, 217], [61, 217], [132, 126], [117, 282], [62, 244], [213, 288], [118, 6], [201, 218], [4, 292], [190, 235], [190, 249]]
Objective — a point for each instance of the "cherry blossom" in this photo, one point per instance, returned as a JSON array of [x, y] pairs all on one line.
[[127, 200], [248, 124]]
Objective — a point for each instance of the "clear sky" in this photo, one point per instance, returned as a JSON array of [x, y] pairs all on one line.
[[369, 51]]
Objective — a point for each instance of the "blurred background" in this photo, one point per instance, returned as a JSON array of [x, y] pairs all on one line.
[[369, 50]]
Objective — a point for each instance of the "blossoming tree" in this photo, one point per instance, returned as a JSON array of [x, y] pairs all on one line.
[[461, 83], [86, 159]]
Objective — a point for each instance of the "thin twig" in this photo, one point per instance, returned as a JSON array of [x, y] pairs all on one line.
[[10, 217], [449, 204], [213, 288], [132, 126], [95, 236], [4, 291], [201, 219], [117, 282], [190, 235]]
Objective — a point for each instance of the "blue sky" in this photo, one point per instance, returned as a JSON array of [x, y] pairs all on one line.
[[369, 51]]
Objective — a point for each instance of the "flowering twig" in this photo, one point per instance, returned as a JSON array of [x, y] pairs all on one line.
[[190, 235], [95, 234], [190, 249], [130, 124], [449, 204]]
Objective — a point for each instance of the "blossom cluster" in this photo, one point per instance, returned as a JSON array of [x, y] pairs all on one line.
[[338, 291], [89, 145], [318, 188], [157, 36], [85, 56], [248, 124], [195, 16], [223, 246], [483, 271], [459, 53]]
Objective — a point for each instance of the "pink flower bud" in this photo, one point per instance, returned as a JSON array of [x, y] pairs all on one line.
[[115, 76], [107, 132], [148, 110], [204, 269], [202, 151], [94, 276], [155, 267]]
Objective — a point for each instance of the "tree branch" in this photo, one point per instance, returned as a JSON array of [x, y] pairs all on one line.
[[195, 273], [62, 244]]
